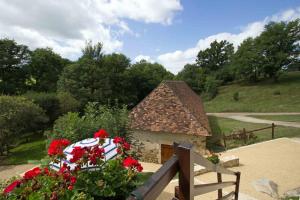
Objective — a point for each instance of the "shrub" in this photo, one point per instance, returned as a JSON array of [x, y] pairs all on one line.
[[74, 127], [214, 158], [211, 87], [67, 103], [236, 96], [47, 101], [113, 180], [19, 115], [54, 104]]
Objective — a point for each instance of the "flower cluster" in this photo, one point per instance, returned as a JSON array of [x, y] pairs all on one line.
[[57, 146], [56, 183], [132, 163]]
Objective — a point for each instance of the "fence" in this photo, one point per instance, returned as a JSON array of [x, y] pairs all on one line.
[[183, 162], [246, 135]]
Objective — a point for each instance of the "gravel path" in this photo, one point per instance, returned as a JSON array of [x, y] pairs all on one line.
[[245, 118], [9, 171]]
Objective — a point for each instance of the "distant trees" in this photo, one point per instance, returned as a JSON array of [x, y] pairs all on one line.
[[13, 60], [44, 69]]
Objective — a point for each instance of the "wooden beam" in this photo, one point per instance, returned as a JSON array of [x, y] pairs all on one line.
[[157, 182], [219, 176], [186, 171], [209, 165], [227, 196], [206, 188], [237, 185]]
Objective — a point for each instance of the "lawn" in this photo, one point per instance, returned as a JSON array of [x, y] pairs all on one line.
[[266, 96], [226, 126], [285, 118], [35, 149]]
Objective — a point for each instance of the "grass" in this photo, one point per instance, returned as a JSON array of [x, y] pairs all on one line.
[[35, 149], [227, 126], [285, 118], [265, 96]]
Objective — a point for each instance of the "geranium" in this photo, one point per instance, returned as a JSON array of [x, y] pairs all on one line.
[[94, 154], [130, 162], [126, 146], [12, 186], [32, 173], [102, 134], [57, 146], [118, 140], [77, 153]]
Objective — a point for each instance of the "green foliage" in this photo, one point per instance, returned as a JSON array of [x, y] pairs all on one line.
[[194, 76], [280, 47], [74, 127], [216, 57], [143, 77], [13, 60], [67, 103], [216, 136], [44, 69], [211, 87], [214, 158], [236, 96], [18, 115]]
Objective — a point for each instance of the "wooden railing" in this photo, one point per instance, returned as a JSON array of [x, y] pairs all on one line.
[[183, 162], [245, 135]]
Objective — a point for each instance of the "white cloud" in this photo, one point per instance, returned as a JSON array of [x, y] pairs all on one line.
[[65, 25], [143, 57], [175, 61]]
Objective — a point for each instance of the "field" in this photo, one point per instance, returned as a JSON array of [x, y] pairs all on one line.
[[35, 149], [267, 96], [226, 126]]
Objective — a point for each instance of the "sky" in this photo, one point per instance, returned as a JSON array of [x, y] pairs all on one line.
[[170, 32]]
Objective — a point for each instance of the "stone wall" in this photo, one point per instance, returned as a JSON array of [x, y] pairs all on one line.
[[151, 143]]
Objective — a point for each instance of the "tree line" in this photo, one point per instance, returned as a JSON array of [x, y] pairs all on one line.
[[103, 78]]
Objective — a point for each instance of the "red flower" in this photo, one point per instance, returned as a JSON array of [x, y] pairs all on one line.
[[32, 173], [95, 153], [57, 146], [46, 171], [70, 187], [12, 186], [118, 140], [132, 163], [126, 146], [102, 134], [73, 180], [77, 153]]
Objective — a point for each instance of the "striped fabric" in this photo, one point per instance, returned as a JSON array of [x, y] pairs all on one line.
[[110, 151]]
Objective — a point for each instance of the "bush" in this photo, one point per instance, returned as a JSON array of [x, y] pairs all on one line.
[[74, 127], [47, 101], [211, 87], [54, 104], [19, 115], [236, 96]]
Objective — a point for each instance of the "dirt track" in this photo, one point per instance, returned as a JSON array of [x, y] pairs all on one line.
[[245, 118]]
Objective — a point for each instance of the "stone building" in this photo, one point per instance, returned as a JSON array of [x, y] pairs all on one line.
[[172, 112]]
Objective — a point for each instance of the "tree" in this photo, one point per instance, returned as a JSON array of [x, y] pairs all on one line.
[[95, 76], [216, 57], [194, 76], [18, 115], [45, 68], [13, 59], [279, 46], [247, 60], [143, 78]]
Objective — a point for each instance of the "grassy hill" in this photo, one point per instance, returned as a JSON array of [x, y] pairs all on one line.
[[265, 96]]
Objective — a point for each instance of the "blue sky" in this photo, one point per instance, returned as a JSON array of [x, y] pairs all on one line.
[[170, 32]]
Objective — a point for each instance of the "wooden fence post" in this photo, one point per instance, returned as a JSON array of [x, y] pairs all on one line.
[[237, 185], [220, 195], [224, 140], [245, 136], [273, 129], [186, 172]]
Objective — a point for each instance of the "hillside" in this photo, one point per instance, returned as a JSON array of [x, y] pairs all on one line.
[[267, 96]]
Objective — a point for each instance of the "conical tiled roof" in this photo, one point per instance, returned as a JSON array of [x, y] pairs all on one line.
[[172, 107]]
